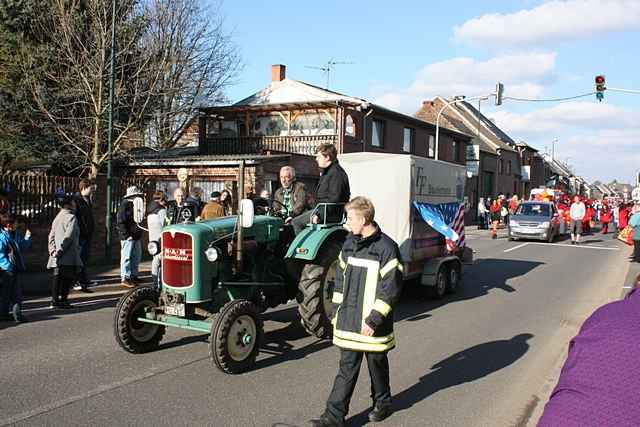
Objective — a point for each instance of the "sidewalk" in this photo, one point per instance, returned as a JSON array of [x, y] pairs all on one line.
[[38, 283]]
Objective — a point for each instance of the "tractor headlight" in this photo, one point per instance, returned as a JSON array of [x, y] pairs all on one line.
[[153, 248], [212, 254]]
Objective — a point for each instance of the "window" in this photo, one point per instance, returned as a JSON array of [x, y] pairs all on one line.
[[501, 166], [456, 151], [432, 146], [509, 167], [407, 140], [377, 134], [350, 127]]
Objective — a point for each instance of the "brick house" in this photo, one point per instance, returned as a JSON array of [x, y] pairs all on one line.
[[498, 169], [532, 166], [283, 124]]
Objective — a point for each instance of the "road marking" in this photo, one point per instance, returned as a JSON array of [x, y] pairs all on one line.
[[516, 247], [92, 393], [602, 248], [579, 246]]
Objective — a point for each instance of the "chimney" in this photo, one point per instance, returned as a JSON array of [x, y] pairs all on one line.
[[278, 72]]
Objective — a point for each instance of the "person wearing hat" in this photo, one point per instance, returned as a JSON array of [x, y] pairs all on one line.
[[130, 234], [213, 209], [64, 252]]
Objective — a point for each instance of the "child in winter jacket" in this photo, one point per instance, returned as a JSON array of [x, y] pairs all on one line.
[[12, 243]]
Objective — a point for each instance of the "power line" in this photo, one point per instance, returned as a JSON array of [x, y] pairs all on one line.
[[613, 89], [550, 99]]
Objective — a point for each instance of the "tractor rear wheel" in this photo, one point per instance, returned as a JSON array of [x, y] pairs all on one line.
[[236, 333], [131, 334], [316, 285]]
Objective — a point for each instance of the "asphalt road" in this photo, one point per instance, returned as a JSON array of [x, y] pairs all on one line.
[[477, 358]]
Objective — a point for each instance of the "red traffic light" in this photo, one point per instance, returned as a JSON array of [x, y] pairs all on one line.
[[599, 80]]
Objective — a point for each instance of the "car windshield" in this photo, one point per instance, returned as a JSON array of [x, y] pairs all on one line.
[[532, 209]]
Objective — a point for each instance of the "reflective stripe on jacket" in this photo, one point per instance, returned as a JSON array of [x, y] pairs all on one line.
[[368, 284]]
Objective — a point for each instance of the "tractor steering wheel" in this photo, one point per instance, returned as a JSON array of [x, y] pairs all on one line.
[[278, 212]]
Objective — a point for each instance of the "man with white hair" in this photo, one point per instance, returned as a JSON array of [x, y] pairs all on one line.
[[292, 196]]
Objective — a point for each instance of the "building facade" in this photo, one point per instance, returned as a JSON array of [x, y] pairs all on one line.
[[282, 124]]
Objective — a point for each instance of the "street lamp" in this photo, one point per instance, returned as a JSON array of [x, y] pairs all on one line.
[[448, 104], [112, 82]]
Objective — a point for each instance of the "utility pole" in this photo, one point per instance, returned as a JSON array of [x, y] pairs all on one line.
[[112, 83]]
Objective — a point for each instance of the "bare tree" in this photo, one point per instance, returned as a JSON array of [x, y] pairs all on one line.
[[202, 62], [71, 92]]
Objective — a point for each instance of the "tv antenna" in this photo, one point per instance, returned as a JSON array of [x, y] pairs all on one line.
[[328, 67]]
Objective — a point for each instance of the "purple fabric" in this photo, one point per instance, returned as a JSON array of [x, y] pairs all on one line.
[[600, 381]]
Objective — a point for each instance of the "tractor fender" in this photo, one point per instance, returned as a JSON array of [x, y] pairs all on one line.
[[307, 244], [431, 267]]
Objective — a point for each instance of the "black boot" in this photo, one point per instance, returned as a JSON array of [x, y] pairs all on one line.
[[323, 421], [379, 414], [55, 292]]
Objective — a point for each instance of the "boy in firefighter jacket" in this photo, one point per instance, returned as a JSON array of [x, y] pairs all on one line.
[[368, 284]]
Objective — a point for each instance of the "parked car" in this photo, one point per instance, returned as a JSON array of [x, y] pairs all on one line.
[[535, 220]]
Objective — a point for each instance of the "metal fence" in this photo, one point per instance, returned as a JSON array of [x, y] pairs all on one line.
[[33, 197]]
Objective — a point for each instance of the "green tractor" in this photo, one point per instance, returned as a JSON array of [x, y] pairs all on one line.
[[219, 275]]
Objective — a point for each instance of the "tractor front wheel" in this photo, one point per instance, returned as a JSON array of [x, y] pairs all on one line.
[[236, 334], [316, 291], [131, 334]]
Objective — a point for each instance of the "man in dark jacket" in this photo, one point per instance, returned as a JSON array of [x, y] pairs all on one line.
[[333, 187], [367, 286], [130, 234], [84, 214], [292, 196], [181, 208]]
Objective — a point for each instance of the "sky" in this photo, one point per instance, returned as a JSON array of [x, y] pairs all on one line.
[[404, 52]]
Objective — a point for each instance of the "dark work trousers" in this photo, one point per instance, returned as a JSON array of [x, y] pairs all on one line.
[[85, 250], [62, 281], [345, 382], [301, 221], [636, 250]]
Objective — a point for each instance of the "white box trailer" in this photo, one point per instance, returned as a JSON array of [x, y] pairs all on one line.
[[393, 182]]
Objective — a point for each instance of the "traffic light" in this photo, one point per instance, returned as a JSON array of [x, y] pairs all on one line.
[[499, 92], [600, 87]]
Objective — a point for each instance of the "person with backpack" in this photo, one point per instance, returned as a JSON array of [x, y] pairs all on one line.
[[130, 235]]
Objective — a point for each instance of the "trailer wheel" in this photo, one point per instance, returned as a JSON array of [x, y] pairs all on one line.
[[131, 334], [440, 288], [236, 333], [453, 282], [316, 291]]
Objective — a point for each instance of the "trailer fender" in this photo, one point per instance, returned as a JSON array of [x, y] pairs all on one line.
[[307, 244], [431, 267]]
